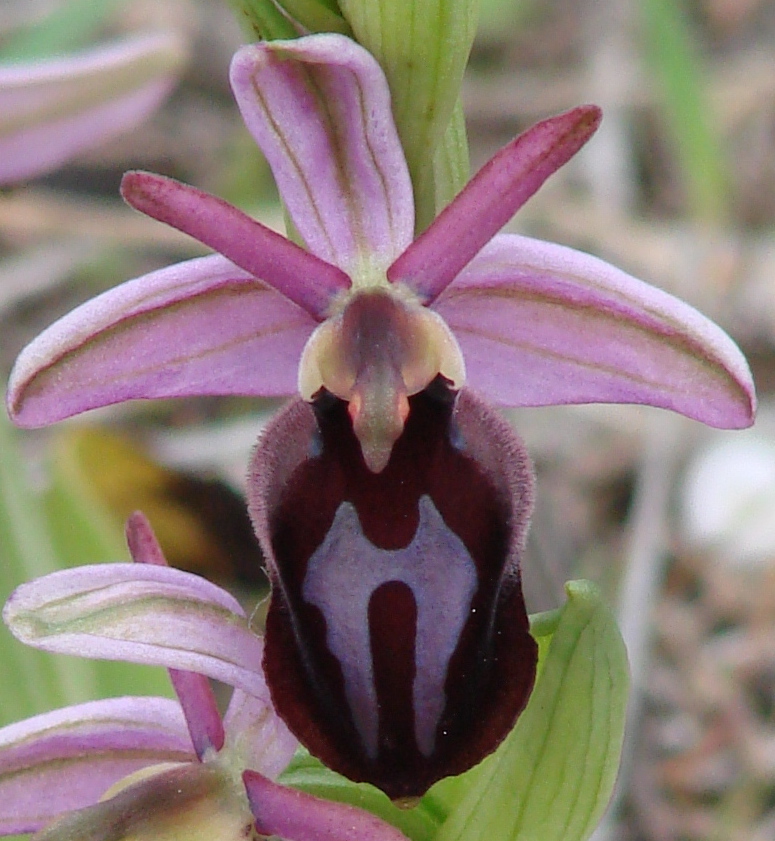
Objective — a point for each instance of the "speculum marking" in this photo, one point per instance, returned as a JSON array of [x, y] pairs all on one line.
[[343, 574]]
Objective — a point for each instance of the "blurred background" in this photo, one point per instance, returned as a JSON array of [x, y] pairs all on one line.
[[675, 521]]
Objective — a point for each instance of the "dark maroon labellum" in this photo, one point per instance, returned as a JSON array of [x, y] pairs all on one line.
[[397, 643]]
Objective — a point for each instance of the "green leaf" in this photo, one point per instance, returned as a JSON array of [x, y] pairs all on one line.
[[552, 778], [309, 774], [85, 531], [40, 681], [82, 529], [673, 55], [423, 47]]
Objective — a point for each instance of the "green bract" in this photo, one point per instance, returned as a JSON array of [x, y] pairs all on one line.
[[423, 47], [451, 166], [266, 20], [317, 15], [552, 778]]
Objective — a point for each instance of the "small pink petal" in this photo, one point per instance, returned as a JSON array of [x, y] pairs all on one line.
[[319, 108], [67, 759], [299, 276], [197, 700], [540, 324], [490, 199], [299, 816], [140, 613], [143, 545], [52, 110], [196, 328]]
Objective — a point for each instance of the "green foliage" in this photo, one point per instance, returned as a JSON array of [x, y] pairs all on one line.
[[423, 47], [317, 15], [673, 55], [552, 778], [39, 534], [451, 166], [262, 20], [268, 21], [69, 27], [40, 681]]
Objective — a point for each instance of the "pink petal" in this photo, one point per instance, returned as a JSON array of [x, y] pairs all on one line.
[[319, 108], [199, 327], [296, 274], [142, 614], [299, 816], [194, 692], [490, 199], [67, 759], [540, 324], [258, 735], [52, 110]]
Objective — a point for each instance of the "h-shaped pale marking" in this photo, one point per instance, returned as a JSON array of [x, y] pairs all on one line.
[[342, 575]]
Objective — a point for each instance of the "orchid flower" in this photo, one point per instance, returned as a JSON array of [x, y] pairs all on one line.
[[50, 110], [391, 501], [127, 767]]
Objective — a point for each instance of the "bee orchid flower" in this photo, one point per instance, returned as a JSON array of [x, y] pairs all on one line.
[[153, 767], [390, 498]]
